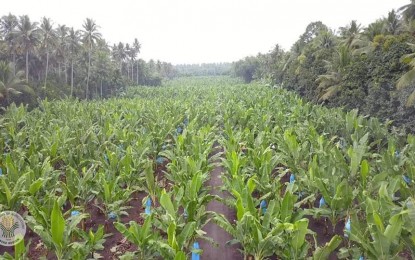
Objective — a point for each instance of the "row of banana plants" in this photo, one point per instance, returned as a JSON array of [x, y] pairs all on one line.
[[288, 162], [343, 169], [65, 157]]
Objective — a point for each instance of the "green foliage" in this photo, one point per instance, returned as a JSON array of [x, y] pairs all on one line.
[[358, 69], [77, 155], [57, 62]]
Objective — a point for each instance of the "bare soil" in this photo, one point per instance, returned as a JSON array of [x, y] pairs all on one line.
[[222, 250]]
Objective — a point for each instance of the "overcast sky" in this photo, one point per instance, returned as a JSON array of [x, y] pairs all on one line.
[[196, 31]]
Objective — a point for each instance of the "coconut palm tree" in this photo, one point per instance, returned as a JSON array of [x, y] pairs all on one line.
[[137, 48], [73, 48], [368, 43], [374, 29], [133, 51], [326, 40], [408, 11], [103, 67], [392, 23], [90, 36], [27, 37], [408, 79], [11, 84], [48, 40], [119, 54], [350, 33], [62, 49], [128, 53], [330, 83], [8, 25]]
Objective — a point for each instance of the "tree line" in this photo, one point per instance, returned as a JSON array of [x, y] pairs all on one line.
[[204, 69], [42, 59], [370, 68]]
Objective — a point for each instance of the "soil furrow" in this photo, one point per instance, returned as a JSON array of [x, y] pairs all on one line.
[[220, 236]]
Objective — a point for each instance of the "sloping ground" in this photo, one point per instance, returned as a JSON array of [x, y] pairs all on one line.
[[220, 236]]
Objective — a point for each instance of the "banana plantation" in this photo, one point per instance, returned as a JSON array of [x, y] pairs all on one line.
[[130, 177]]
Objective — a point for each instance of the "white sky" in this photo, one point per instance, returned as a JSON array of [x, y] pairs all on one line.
[[196, 31]]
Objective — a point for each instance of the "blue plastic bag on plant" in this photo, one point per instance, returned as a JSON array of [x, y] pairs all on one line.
[[292, 178], [148, 207], [75, 213], [112, 215], [406, 179], [160, 160], [322, 202], [263, 206], [195, 256], [347, 227]]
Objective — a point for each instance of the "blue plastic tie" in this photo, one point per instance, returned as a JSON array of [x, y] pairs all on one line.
[[347, 227], [263, 206], [292, 178], [148, 202], [185, 215], [361, 258], [106, 158], [1, 171], [322, 202], [397, 154], [112, 215], [195, 256], [148, 206], [75, 213], [406, 179], [160, 160], [179, 130]]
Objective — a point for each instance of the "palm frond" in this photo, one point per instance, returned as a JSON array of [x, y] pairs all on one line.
[[411, 100], [407, 79], [330, 92], [13, 91]]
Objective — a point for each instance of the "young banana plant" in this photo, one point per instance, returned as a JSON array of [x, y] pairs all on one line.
[[54, 230], [113, 196], [92, 243], [145, 237], [180, 233], [21, 252], [378, 236]]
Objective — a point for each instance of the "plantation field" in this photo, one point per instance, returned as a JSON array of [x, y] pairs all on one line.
[[130, 177]]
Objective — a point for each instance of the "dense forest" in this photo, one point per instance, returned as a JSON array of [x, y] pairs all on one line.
[[371, 68], [42, 59]]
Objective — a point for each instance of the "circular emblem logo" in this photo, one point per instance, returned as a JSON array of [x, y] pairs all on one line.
[[12, 228]]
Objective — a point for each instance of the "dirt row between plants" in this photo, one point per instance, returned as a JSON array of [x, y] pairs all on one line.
[[220, 236]]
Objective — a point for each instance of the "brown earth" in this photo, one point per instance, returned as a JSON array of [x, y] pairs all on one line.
[[221, 251]]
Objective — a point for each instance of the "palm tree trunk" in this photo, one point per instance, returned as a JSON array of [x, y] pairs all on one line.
[[14, 64], [137, 73], [89, 66], [59, 71], [101, 88], [27, 66], [66, 72], [47, 68], [71, 77], [132, 70]]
